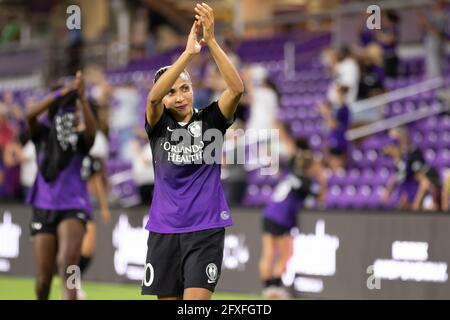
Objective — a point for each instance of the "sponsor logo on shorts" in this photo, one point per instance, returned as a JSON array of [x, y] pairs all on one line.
[[224, 215], [212, 272], [148, 280], [81, 215]]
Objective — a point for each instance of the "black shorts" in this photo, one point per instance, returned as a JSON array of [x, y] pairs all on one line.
[[183, 260], [47, 221], [274, 228]]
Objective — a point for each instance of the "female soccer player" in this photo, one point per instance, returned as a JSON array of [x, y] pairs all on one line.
[[408, 160], [189, 210], [430, 184], [280, 217], [59, 196]]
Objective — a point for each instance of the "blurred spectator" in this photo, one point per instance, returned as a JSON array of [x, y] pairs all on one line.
[[213, 79], [28, 163], [345, 72], [197, 69], [10, 152], [366, 35], [124, 117], [142, 167], [13, 110], [372, 72], [3, 193], [336, 117], [387, 37], [151, 42], [10, 31], [7, 131], [139, 34], [408, 160], [264, 108], [214, 83], [430, 187], [435, 26], [12, 155], [167, 38]]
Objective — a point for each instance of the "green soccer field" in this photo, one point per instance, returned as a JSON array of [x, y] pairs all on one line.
[[12, 288]]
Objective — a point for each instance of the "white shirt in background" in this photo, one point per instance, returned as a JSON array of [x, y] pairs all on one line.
[[28, 169], [125, 108], [142, 166], [347, 74], [100, 148]]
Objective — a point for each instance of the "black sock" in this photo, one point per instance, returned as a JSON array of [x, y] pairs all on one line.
[[84, 263], [277, 282], [274, 282]]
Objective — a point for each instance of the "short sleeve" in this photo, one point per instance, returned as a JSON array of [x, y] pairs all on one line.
[[214, 118], [160, 127], [39, 134], [83, 145]]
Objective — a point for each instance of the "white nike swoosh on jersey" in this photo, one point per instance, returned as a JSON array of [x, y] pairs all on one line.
[[171, 130]]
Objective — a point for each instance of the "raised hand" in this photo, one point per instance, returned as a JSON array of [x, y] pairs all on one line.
[[205, 15], [194, 43], [79, 80]]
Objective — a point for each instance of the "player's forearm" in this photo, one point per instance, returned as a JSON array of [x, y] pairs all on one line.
[[100, 191], [168, 78], [38, 108], [227, 69], [89, 120]]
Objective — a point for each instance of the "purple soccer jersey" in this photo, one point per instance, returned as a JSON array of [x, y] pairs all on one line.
[[288, 199], [68, 191], [188, 194]]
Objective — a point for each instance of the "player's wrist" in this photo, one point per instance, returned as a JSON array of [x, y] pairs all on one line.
[[188, 55], [211, 41]]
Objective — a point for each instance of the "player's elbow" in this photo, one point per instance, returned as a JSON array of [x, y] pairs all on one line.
[[30, 119], [237, 90], [152, 100], [240, 88]]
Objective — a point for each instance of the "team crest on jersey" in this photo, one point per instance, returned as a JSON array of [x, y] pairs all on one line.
[[224, 215], [195, 129], [211, 272]]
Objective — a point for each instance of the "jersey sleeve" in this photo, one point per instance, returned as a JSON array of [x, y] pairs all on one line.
[[159, 128], [215, 118], [83, 145], [39, 134]]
